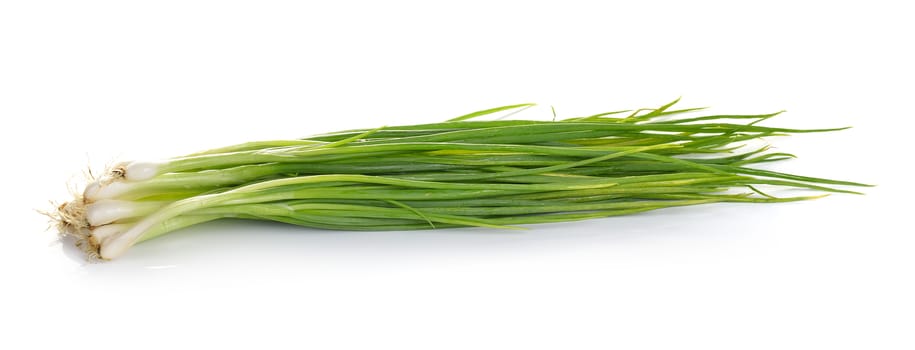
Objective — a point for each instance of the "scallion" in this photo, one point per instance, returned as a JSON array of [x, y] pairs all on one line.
[[463, 172]]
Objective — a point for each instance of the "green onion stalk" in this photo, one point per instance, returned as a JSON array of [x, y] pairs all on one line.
[[464, 172]]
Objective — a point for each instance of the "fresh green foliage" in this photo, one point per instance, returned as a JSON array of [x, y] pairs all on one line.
[[463, 172]]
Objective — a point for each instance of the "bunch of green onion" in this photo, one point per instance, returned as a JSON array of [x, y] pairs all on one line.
[[463, 172]]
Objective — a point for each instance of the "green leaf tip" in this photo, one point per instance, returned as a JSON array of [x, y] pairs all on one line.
[[491, 111]]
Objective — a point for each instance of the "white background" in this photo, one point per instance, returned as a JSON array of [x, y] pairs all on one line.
[[90, 82]]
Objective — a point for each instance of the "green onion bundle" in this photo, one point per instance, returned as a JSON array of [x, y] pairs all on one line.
[[463, 172]]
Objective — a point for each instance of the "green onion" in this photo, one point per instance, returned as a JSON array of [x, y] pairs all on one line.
[[464, 172]]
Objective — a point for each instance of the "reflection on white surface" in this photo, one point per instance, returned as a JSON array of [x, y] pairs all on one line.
[[241, 244]]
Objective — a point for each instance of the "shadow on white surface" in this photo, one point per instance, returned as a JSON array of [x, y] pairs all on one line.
[[247, 245]]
